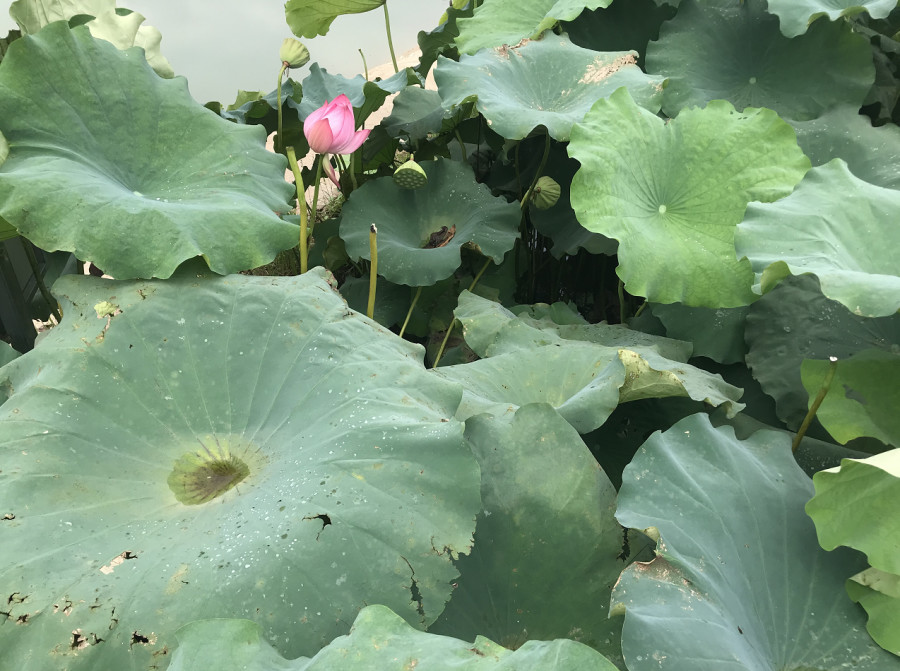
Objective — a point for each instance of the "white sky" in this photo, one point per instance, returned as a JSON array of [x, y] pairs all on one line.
[[225, 45]]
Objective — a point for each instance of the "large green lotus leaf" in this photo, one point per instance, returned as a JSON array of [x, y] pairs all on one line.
[[548, 82], [7, 354], [798, 16], [493, 332], [103, 150], [623, 26], [863, 397], [672, 192], [794, 322], [879, 593], [379, 639], [580, 380], [490, 329], [308, 18], [320, 87], [740, 582], [843, 132], [242, 445], [856, 505], [452, 209], [716, 333], [547, 547], [496, 22], [835, 226], [124, 30], [720, 49], [415, 113]]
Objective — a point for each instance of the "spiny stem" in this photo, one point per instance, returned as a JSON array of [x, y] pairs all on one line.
[[462, 145], [409, 312], [823, 392], [373, 270], [537, 175], [301, 204], [440, 353], [284, 66], [621, 292], [39, 278], [387, 27]]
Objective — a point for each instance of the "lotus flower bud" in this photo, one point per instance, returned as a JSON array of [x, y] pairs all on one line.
[[546, 193], [410, 175], [293, 53]]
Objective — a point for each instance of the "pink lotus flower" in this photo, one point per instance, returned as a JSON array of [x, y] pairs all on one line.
[[331, 129]]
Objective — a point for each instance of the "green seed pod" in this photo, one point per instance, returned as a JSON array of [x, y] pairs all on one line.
[[410, 175], [546, 193], [293, 53]]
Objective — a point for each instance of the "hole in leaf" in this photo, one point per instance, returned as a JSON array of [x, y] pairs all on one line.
[[139, 638]]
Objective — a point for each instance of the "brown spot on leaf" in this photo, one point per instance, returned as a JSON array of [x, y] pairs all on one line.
[[599, 70]]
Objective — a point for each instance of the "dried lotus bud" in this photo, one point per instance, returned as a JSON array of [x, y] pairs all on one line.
[[293, 53], [546, 193], [410, 175]]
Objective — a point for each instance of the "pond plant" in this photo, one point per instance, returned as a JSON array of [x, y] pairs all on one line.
[[626, 394]]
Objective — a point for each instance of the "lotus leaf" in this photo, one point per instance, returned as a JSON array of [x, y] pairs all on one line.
[[548, 82], [189, 184], [207, 445], [672, 193], [794, 322], [717, 334], [495, 22], [879, 593], [421, 232], [718, 49], [122, 29], [379, 639], [490, 329], [7, 354], [415, 113], [864, 396], [855, 505], [623, 26], [308, 18], [525, 363], [580, 380], [796, 16], [320, 87], [844, 133], [836, 226], [739, 581], [543, 494]]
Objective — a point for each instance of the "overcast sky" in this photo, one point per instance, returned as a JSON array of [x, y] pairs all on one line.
[[225, 45]]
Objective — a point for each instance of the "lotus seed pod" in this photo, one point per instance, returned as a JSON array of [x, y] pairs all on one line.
[[410, 175], [293, 53], [546, 193]]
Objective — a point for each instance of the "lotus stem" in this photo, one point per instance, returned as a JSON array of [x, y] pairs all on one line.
[[301, 205], [280, 145], [620, 290], [462, 145], [540, 170], [409, 312], [39, 278], [387, 27], [823, 392], [315, 205], [365, 67], [440, 353], [373, 270]]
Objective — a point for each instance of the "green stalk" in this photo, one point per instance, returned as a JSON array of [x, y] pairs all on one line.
[[365, 67], [621, 291], [823, 392], [387, 27], [453, 323], [462, 145], [39, 278], [540, 170], [301, 204], [315, 203], [284, 66], [373, 270], [409, 312]]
